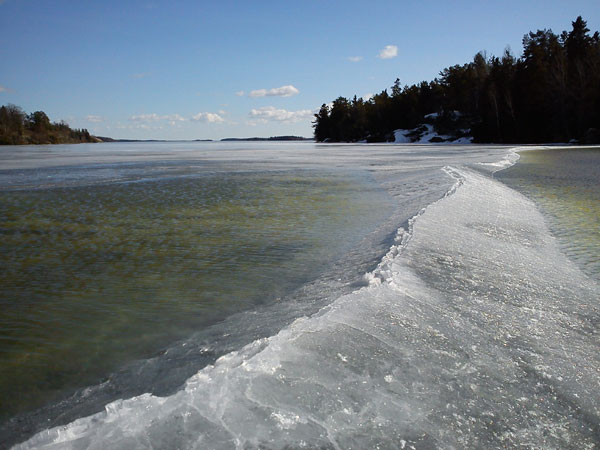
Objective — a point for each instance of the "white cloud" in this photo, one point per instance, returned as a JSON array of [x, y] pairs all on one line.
[[388, 52], [208, 117], [151, 118], [3, 88], [174, 118], [240, 93], [355, 58], [145, 118], [94, 119], [283, 91], [269, 113]]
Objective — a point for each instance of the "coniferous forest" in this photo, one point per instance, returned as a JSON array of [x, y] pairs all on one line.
[[17, 128], [551, 93]]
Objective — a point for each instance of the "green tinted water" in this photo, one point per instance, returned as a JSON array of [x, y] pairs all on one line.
[[565, 183], [95, 276]]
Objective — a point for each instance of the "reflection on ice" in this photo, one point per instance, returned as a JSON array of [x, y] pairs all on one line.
[[474, 332]]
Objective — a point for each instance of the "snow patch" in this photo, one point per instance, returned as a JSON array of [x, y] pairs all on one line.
[[426, 134], [401, 136]]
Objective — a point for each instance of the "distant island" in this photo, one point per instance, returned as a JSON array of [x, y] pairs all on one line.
[[550, 94], [272, 138], [19, 128], [109, 139]]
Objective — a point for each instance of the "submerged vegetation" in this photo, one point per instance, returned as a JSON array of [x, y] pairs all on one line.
[[17, 127], [550, 94]]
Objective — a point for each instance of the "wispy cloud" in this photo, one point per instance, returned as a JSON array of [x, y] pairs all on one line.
[[354, 59], [141, 75], [283, 91], [174, 118], [145, 118], [177, 119], [208, 117], [270, 113], [240, 93], [3, 88], [153, 118], [94, 119], [388, 52]]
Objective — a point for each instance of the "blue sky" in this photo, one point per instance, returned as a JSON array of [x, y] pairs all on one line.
[[156, 69]]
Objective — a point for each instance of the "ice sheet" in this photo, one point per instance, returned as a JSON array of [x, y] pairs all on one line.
[[473, 332]]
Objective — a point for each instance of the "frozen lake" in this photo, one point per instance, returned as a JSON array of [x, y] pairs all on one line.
[[381, 296]]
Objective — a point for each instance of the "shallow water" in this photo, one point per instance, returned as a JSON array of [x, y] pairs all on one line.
[[565, 183], [94, 276]]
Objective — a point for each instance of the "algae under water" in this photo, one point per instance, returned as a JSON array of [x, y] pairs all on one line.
[[95, 276]]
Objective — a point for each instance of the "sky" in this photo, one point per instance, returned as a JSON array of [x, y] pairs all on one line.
[[154, 69]]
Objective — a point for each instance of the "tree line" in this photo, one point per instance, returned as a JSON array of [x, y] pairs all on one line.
[[549, 94], [17, 128]]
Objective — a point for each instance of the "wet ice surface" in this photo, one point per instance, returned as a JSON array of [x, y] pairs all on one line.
[[474, 331]]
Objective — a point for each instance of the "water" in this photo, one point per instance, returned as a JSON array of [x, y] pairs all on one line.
[[97, 275], [470, 328], [564, 182]]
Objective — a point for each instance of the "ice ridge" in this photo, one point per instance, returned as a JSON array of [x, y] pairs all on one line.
[[383, 273]]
